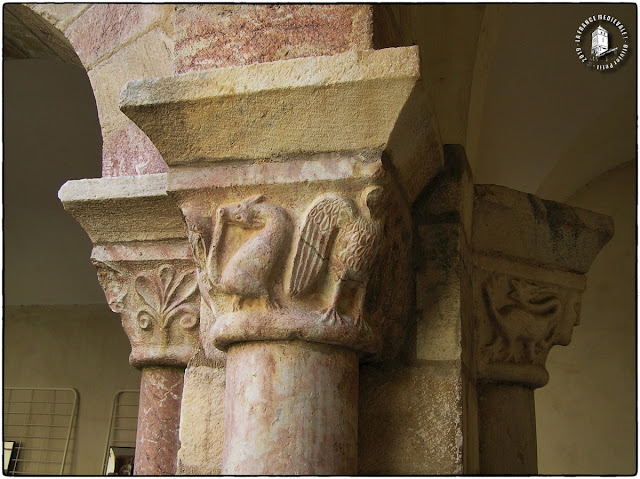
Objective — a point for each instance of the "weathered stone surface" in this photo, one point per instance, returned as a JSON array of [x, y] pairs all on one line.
[[102, 28], [28, 35], [519, 225], [278, 264], [202, 418], [159, 304], [214, 36], [529, 259], [158, 422], [59, 14], [109, 75], [124, 209], [410, 420], [519, 316], [345, 102], [291, 408], [127, 151], [444, 301]]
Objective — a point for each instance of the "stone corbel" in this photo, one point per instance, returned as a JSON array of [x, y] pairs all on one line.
[[295, 180], [529, 256], [146, 269]]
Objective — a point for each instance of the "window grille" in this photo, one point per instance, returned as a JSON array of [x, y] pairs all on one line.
[[37, 429], [123, 424]]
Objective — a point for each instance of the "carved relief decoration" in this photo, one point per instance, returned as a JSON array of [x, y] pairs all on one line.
[[335, 233], [525, 325], [306, 270], [251, 269], [165, 295], [521, 319], [114, 284], [150, 301]]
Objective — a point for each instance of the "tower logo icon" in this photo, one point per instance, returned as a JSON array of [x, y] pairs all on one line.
[[609, 47]]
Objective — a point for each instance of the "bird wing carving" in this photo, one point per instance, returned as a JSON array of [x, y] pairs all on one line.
[[326, 215]]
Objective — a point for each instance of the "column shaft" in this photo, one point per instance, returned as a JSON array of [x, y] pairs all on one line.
[[157, 440], [507, 429], [291, 408]]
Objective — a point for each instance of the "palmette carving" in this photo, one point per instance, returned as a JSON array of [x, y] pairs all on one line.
[[335, 232], [166, 295], [160, 308]]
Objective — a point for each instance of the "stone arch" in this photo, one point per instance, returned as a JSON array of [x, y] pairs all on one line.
[[29, 35], [114, 43]]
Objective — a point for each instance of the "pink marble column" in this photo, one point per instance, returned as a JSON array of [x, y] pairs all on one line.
[[157, 440], [291, 408]]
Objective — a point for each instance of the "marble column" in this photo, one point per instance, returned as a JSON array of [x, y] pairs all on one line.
[[146, 269], [529, 260], [295, 180]]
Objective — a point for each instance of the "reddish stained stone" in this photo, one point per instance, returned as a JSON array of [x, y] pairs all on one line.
[[157, 440], [291, 408], [219, 36], [103, 27], [129, 152]]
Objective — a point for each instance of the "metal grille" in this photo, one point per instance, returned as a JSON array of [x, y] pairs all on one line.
[[39, 422], [124, 422]]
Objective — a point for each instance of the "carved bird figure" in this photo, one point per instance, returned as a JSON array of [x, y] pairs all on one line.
[[335, 231], [249, 272]]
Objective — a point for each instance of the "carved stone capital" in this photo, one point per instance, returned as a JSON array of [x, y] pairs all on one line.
[[320, 262], [144, 264], [520, 316], [530, 256], [159, 304], [295, 179]]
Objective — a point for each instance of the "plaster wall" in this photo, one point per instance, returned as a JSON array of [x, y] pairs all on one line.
[[586, 415], [76, 346]]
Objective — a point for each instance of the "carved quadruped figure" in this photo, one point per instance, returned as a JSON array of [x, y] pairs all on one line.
[[334, 230], [249, 272], [526, 326]]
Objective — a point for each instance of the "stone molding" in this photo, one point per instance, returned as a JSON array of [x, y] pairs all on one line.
[[144, 263], [367, 101]]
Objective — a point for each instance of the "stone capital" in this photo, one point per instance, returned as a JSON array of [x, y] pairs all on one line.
[[301, 229], [529, 258], [144, 263]]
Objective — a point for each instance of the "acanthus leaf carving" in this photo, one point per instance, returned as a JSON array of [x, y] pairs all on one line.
[[166, 295], [114, 283]]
